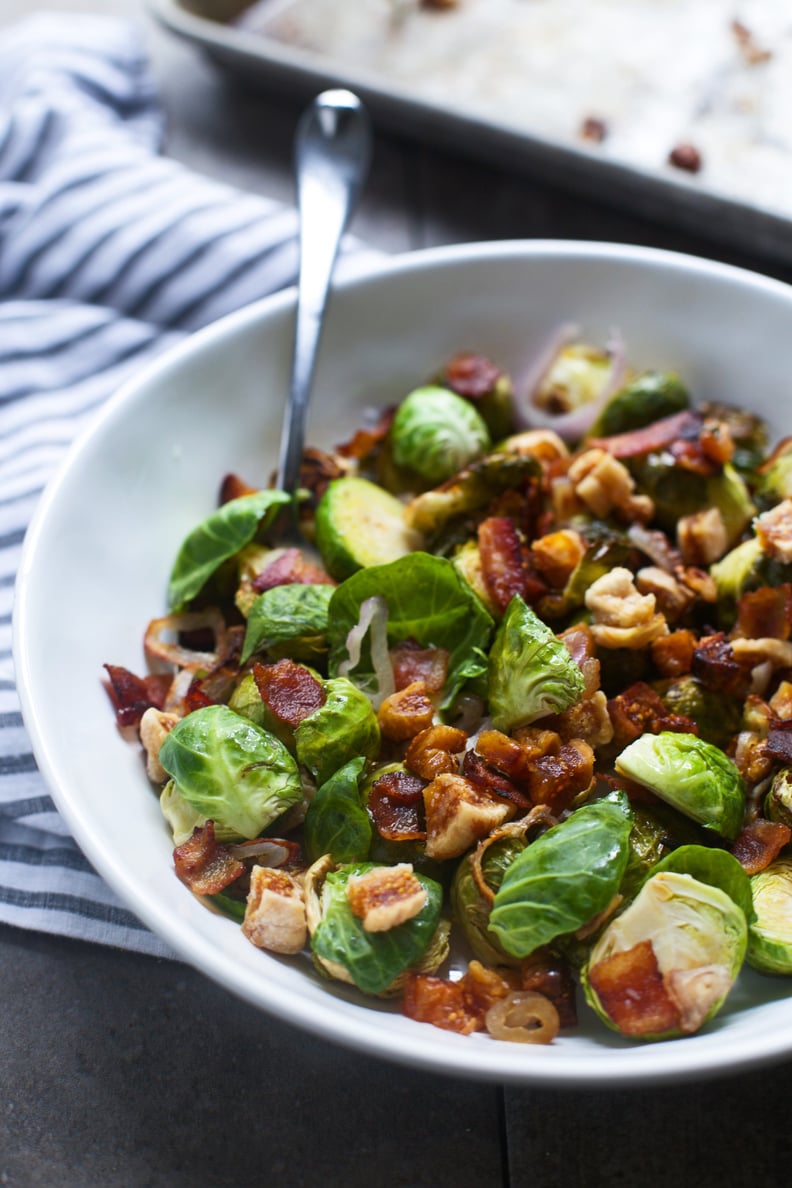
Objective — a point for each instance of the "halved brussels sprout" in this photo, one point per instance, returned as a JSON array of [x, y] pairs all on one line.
[[435, 433], [472, 910], [180, 815], [665, 966], [470, 491], [531, 672], [336, 822], [690, 774], [778, 802], [770, 935], [677, 493], [373, 961], [343, 728], [577, 376], [776, 475], [716, 714], [647, 398], [230, 770]]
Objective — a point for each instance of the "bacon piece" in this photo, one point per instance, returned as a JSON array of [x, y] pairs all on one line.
[[204, 865], [472, 376], [434, 750], [133, 695], [502, 562], [779, 741], [234, 487], [411, 662], [406, 713], [548, 974], [632, 992], [640, 710], [364, 441], [716, 667], [317, 471], [659, 435], [484, 776], [396, 806], [459, 1006], [290, 691], [765, 613], [290, 568], [759, 843]]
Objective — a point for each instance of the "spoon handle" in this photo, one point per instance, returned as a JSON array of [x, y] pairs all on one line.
[[332, 153]]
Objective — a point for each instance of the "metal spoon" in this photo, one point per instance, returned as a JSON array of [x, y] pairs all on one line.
[[332, 154]]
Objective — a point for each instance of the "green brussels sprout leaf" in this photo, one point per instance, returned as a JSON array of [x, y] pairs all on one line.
[[230, 770], [531, 671], [710, 865], [343, 728], [217, 538], [564, 879], [336, 822], [289, 621], [372, 959]]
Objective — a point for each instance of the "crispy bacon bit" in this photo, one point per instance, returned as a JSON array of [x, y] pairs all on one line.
[[673, 654], [502, 562], [364, 441], [759, 843], [548, 771], [204, 865], [411, 663], [765, 613], [234, 487], [472, 376], [716, 667], [550, 975], [434, 750], [290, 691], [632, 992], [657, 436], [133, 695], [386, 896], [640, 710], [779, 741], [459, 1006], [291, 568], [396, 806], [317, 471], [484, 776], [406, 713]]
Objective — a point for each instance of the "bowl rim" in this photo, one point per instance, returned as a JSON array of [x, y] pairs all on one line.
[[635, 1064]]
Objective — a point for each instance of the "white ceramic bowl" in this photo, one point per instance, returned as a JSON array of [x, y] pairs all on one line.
[[97, 557]]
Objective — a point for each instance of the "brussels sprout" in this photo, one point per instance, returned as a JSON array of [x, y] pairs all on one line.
[[336, 822], [746, 567], [607, 550], [470, 491], [770, 935], [472, 910], [372, 960], [531, 672], [677, 492], [246, 701], [778, 802], [564, 879], [289, 621], [577, 376], [716, 715], [230, 770], [649, 397], [714, 866], [665, 966], [341, 729], [690, 774], [776, 475], [216, 539], [649, 841], [180, 815], [435, 433], [748, 432]]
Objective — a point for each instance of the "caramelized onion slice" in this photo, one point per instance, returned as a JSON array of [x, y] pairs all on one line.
[[523, 1017], [160, 648]]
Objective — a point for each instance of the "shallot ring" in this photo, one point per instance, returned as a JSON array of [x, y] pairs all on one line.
[[523, 1017]]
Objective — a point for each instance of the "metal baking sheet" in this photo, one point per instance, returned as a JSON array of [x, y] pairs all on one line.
[[681, 201]]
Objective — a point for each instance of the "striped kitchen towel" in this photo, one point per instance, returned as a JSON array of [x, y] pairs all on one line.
[[109, 252]]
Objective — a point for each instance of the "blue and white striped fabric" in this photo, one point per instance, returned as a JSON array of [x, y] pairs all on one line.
[[109, 252]]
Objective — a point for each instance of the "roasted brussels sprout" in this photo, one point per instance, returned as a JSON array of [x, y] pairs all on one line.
[[435, 433], [469, 491], [577, 376], [677, 493], [716, 715], [531, 672], [289, 620], [665, 966], [230, 770], [690, 774], [374, 961], [778, 802], [472, 909], [770, 935], [341, 729], [776, 475], [336, 822], [180, 815], [564, 879], [647, 398]]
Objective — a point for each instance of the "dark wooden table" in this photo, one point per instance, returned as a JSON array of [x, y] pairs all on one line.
[[121, 1070]]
